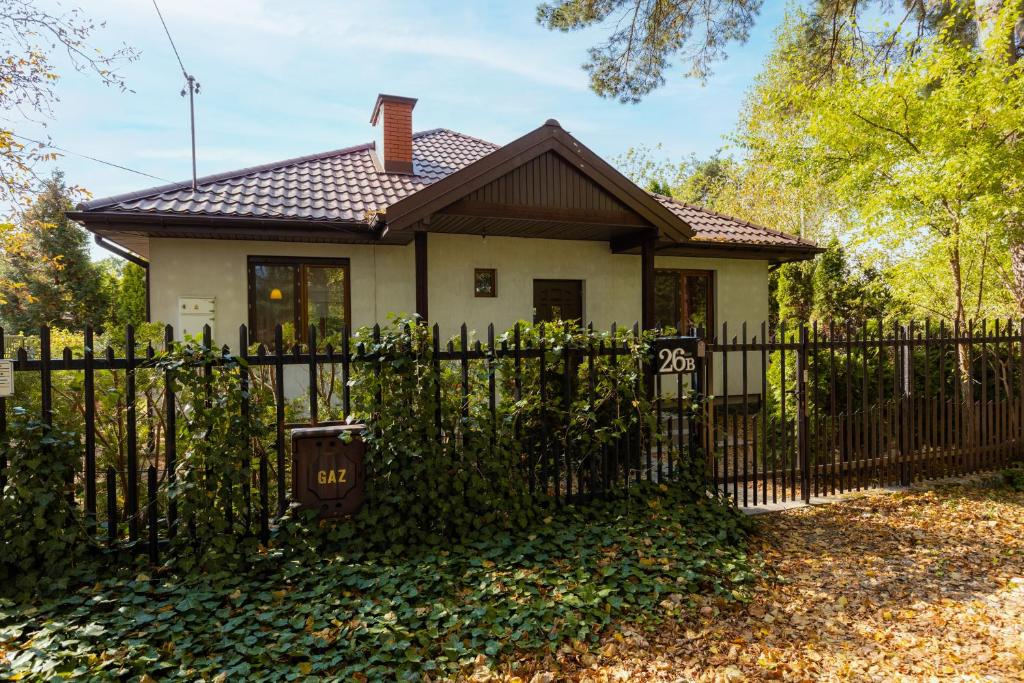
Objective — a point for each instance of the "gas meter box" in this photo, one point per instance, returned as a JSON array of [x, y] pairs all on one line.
[[328, 469]]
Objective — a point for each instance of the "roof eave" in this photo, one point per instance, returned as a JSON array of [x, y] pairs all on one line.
[[774, 253], [226, 227]]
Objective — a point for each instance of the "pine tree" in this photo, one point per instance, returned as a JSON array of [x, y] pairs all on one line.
[[795, 292], [55, 282], [124, 286], [832, 285]]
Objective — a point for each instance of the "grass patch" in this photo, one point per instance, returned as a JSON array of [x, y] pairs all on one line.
[[364, 615]]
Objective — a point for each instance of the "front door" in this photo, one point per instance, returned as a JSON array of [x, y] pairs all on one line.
[[557, 300]]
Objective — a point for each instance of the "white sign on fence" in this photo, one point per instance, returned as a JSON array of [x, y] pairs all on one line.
[[6, 378]]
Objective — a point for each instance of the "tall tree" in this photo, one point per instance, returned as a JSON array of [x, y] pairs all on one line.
[[794, 292], [920, 151], [703, 182], [645, 36], [30, 37], [1009, 35], [57, 284], [752, 189]]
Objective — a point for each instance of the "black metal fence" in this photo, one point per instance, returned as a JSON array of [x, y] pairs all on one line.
[[831, 408], [791, 416], [126, 410]]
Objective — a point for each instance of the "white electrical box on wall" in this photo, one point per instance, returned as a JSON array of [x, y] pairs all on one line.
[[193, 313]]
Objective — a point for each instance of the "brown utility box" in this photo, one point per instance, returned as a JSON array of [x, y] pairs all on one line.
[[329, 475]]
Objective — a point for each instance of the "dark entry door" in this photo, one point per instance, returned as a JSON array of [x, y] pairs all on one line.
[[557, 300]]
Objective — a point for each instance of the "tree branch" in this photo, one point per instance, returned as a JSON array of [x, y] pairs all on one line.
[[887, 129]]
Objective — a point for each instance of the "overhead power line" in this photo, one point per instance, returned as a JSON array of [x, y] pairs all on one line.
[[191, 88], [181, 185], [50, 145], [170, 39]]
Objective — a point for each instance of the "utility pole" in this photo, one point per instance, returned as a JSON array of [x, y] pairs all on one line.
[[193, 88]]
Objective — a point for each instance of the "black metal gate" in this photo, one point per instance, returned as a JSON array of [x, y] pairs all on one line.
[[678, 377]]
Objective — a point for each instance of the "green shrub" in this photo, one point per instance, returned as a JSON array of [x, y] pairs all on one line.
[[42, 533], [221, 428], [444, 461], [1014, 477], [111, 407], [438, 465], [443, 464], [643, 559]]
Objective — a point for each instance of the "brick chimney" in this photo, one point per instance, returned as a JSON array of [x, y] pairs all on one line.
[[396, 131]]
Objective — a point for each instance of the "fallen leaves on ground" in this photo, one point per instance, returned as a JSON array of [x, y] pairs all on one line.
[[924, 585]]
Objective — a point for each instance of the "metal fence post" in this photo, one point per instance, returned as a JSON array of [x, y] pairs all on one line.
[[698, 411], [132, 473], [45, 377], [170, 435], [906, 378], [803, 448]]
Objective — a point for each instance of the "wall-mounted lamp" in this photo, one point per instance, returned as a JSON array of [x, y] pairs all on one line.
[[275, 294]]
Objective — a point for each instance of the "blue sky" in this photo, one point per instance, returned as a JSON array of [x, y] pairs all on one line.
[[282, 79]]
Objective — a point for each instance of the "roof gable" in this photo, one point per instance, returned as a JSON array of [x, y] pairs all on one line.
[[544, 197], [551, 151], [528, 186]]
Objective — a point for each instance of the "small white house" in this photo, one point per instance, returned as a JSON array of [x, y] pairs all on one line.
[[442, 224]]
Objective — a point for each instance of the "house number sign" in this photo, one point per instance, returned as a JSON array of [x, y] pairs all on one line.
[[6, 378], [676, 355]]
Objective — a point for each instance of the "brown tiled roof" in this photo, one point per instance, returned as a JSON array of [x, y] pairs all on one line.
[[348, 185], [710, 226], [342, 185]]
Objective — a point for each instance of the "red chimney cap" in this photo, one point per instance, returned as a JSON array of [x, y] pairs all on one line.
[[397, 99]]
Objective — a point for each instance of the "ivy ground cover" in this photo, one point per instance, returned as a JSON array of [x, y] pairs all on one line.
[[355, 615]]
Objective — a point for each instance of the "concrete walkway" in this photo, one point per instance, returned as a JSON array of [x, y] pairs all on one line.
[[767, 508]]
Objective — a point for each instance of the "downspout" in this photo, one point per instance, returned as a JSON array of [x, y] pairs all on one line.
[[118, 250]]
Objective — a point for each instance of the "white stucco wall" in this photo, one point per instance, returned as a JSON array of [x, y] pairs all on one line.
[[382, 278], [383, 282], [611, 289], [611, 282]]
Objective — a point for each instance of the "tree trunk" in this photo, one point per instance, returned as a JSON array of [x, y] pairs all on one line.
[[962, 351], [1017, 271]]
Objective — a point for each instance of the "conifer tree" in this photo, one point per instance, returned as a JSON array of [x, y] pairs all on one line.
[[54, 280]]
